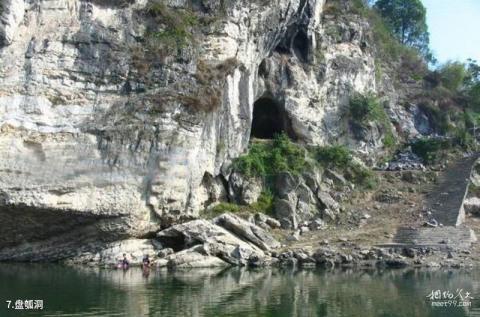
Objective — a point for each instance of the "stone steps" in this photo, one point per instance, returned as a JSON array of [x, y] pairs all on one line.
[[441, 237], [446, 200], [445, 203]]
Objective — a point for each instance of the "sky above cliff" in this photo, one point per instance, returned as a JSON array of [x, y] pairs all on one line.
[[454, 27]]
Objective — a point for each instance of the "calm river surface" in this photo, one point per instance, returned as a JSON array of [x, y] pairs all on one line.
[[67, 291]]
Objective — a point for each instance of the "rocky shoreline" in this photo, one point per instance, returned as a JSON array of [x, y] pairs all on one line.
[[229, 240]]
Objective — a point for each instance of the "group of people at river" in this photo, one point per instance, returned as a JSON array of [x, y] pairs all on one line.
[[124, 264]]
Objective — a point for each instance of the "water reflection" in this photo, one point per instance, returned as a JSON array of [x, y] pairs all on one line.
[[233, 292]]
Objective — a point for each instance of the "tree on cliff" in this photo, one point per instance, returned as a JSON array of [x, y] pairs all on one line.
[[407, 21]]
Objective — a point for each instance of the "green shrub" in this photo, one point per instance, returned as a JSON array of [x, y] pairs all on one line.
[[389, 140], [270, 158], [341, 159], [226, 207], [264, 203], [472, 119], [463, 139], [452, 75], [474, 97], [428, 149], [266, 159], [173, 29], [366, 108], [255, 162], [361, 176], [333, 156], [439, 118]]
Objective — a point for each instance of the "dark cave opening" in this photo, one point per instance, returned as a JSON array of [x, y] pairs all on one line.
[[301, 46], [269, 119]]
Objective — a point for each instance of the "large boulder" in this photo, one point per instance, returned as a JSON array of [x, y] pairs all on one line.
[[265, 221], [301, 199], [210, 239], [195, 232], [285, 211], [247, 231], [192, 258], [244, 190]]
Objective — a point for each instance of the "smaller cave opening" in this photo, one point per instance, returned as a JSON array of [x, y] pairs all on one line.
[[282, 49], [263, 69], [269, 119], [300, 46]]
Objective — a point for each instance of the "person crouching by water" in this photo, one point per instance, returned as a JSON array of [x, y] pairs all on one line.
[[146, 262], [146, 265], [123, 263]]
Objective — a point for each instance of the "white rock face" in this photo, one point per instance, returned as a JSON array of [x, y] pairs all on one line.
[[10, 18], [89, 141]]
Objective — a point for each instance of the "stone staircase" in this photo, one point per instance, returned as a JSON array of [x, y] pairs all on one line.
[[443, 238], [445, 204]]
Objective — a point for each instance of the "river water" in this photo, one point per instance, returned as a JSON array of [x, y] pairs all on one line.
[[68, 291]]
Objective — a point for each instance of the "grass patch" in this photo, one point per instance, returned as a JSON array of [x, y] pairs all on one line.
[[367, 108], [338, 157], [270, 158], [210, 79], [264, 203], [333, 156], [361, 176], [176, 25], [428, 149], [169, 30], [226, 207]]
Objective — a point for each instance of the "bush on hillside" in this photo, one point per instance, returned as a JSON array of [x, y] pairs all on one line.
[[367, 108], [452, 75], [270, 158], [333, 156], [428, 149]]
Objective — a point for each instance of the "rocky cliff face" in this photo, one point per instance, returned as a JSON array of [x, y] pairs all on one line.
[[107, 132]]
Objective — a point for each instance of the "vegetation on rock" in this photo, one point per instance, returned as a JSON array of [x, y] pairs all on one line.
[[173, 28], [333, 156], [367, 108], [264, 204], [340, 158], [428, 149], [270, 158]]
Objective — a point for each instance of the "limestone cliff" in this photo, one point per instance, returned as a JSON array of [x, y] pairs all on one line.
[[113, 113]]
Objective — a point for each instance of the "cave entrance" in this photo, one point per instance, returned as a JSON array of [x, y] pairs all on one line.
[[301, 46], [269, 119]]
